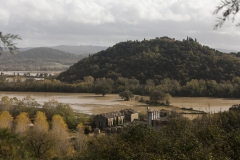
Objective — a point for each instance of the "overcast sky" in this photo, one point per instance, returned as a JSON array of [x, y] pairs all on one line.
[[106, 22]]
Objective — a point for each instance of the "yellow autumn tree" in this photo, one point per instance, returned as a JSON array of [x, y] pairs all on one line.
[[60, 131], [39, 139], [22, 123], [40, 122], [6, 120]]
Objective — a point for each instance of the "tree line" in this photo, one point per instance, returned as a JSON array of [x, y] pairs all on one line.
[[103, 86]]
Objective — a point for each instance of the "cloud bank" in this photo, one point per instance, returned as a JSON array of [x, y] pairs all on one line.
[[106, 22]]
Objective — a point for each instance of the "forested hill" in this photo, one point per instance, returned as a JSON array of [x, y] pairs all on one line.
[[39, 59], [157, 59]]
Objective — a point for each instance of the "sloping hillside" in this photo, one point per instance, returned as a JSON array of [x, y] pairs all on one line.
[[157, 59], [38, 59], [83, 49]]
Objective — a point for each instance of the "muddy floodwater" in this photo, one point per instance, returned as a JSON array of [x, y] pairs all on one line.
[[206, 104], [82, 102], [94, 104]]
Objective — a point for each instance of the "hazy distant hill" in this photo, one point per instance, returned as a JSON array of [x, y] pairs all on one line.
[[226, 50], [83, 49], [39, 59], [157, 59], [25, 49]]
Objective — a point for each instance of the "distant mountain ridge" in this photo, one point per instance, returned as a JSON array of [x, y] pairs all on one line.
[[78, 50], [41, 58], [83, 49]]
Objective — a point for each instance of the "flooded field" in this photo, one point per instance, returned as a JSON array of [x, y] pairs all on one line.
[[85, 103], [32, 73], [206, 104], [94, 104]]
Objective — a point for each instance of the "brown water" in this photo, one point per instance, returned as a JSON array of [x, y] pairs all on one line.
[[94, 104], [206, 104], [85, 103]]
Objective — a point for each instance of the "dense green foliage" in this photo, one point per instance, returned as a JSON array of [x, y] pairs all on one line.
[[159, 97], [126, 95], [193, 88], [38, 59], [157, 59], [210, 137], [12, 146]]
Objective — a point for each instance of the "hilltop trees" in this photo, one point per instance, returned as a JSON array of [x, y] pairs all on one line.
[[156, 59]]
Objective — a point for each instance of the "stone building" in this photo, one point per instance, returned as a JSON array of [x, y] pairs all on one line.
[[112, 119], [129, 114], [157, 118]]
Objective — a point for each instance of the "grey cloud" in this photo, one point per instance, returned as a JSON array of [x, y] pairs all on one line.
[[106, 22]]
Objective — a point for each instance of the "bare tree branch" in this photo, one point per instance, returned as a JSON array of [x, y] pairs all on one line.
[[6, 42], [230, 9]]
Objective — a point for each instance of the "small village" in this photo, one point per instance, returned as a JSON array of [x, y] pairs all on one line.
[[114, 122]]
